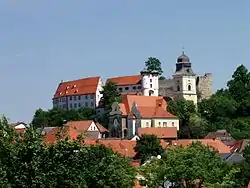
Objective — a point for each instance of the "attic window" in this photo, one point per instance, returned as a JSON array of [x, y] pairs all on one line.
[[67, 87], [66, 92], [74, 86], [60, 93]]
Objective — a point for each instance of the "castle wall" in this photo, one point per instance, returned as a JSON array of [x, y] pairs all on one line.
[[204, 86]]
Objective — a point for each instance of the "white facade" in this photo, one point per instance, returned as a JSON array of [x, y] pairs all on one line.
[[80, 101], [150, 84], [185, 87]]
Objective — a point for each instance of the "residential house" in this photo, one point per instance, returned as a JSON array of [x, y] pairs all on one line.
[[136, 112], [88, 128], [223, 136], [19, 126], [145, 84], [75, 94], [217, 145], [240, 145]]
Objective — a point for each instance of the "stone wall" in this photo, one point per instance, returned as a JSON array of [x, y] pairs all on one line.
[[204, 86]]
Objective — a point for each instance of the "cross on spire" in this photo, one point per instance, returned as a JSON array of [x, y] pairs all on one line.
[[182, 48]]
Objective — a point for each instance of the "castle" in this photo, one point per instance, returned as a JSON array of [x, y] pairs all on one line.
[[185, 84]]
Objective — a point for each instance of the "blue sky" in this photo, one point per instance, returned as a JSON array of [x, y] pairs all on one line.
[[45, 41]]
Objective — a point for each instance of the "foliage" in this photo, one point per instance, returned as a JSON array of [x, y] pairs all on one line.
[[148, 146], [154, 64], [193, 166], [26, 161], [192, 125], [229, 108], [56, 116], [110, 95], [244, 176]]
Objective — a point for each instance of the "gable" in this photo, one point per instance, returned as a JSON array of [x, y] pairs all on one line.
[[93, 127], [20, 126]]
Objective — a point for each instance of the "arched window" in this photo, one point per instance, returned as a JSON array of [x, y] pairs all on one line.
[[189, 88], [178, 88]]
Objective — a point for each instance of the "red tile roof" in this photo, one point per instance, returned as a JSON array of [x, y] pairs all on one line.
[[160, 132], [126, 80], [74, 129], [77, 87], [248, 185], [218, 145], [149, 106]]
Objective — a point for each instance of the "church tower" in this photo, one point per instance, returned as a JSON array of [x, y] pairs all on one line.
[[185, 79], [149, 82]]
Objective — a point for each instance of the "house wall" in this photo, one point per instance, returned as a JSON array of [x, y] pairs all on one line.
[[93, 128], [129, 88], [145, 123], [80, 101]]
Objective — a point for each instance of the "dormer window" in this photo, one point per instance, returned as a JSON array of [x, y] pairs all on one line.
[[60, 93], [67, 87], [74, 86]]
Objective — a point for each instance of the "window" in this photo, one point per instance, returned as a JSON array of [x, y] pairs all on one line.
[[86, 104], [150, 80], [79, 105], [86, 96], [178, 88], [120, 89], [75, 105], [94, 128], [92, 96], [159, 124], [151, 85], [165, 124], [79, 97], [126, 88], [189, 88], [173, 124], [134, 88], [75, 98], [92, 104], [147, 124], [70, 106], [139, 87], [70, 98]]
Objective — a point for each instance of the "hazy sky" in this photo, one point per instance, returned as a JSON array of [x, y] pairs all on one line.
[[45, 41]]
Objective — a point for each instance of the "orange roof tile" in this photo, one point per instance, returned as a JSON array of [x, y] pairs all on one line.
[[63, 132], [153, 112], [216, 144], [101, 128], [77, 87], [160, 132], [126, 80], [149, 106]]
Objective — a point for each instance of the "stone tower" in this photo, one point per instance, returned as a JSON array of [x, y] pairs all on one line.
[[204, 86], [150, 85], [184, 79]]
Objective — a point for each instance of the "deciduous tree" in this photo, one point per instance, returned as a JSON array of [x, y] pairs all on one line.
[[154, 64], [148, 146]]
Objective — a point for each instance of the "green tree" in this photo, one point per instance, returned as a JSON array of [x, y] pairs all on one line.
[[184, 110], [26, 161], [229, 108], [148, 146], [194, 166], [57, 116], [154, 64], [110, 95]]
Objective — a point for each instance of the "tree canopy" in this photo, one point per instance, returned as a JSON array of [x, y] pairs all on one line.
[[56, 116], [153, 64], [229, 108], [148, 146], [194, 166], [110, 95], [26, 161]]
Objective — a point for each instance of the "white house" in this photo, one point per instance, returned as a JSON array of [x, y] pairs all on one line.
[[78, 93]]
